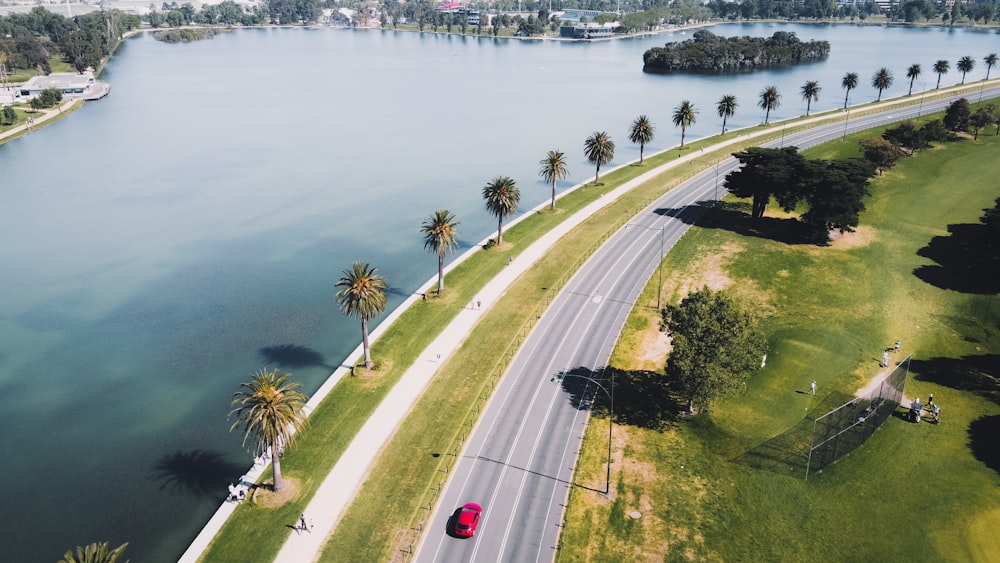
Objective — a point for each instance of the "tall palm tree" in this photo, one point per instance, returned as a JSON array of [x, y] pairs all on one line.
[[94, 553], [641, 133], [769, 99], [553, 167], [912, 73], [726, 107], [941, 67], [440, 237], [991, 61], [362, 297], [882, 79], [849, 82], [964, 65], [269, 407], [600, 149], [683, 117], [502, 196], [810, 93]]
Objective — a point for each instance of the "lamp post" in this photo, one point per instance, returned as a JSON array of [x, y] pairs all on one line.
[[611, 418], [659, 288], [923, 90]]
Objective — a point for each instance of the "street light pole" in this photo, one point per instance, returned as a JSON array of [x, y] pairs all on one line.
[[659, 288], [611, 418]]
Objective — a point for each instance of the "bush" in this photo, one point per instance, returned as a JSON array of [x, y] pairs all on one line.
[[47, 98]]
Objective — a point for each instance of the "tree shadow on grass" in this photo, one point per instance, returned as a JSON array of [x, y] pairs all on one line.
[[642, 398], [984, 440], [735, 217], [967, 260], [197, 472], [975, 374], [293, 356]]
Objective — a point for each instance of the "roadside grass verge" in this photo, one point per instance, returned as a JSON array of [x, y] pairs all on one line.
[[400, 482], [911, 491]]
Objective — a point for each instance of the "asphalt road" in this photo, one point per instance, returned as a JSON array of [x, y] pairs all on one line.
[[520, 457]]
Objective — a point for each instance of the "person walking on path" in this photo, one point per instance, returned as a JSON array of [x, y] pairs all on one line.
[[885, 358], [812, 387], [302, 523]]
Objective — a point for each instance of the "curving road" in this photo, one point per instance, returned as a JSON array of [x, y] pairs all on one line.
[[519, 460]]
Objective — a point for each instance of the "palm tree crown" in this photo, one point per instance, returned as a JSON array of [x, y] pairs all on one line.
[[94, 553], [882, 79], [941, 67], [991, 61], [502, 197], [600, 149], [641, 133], [912, 73], [849, 82], [769, 99], [683, 117], [964, 65], [553, 167], [726, 107], [362, 297], [810, 93], [269, 408], [440, 237]]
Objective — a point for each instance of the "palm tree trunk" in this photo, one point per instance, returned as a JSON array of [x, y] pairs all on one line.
[[642, 146], [938, 82], [767, 114], [808, 106], [499, 231], [723, 125], [683, 131], [846, 96], [440, 273], [597, 177], [276, 467], [553, 206], [364, 339]]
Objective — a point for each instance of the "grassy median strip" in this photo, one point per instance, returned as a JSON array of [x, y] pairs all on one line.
[[913, 491]]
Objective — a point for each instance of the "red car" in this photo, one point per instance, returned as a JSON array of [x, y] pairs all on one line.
[[467, 519]]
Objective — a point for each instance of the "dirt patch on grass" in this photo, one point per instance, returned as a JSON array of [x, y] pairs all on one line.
[[266, 497], [653, 349], [710, 271], [862, 236]]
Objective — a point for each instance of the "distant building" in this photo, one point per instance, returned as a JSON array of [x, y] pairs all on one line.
[[587, 30], [72, 85]]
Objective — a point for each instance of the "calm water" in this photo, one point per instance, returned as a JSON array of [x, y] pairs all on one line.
[[161, 244]]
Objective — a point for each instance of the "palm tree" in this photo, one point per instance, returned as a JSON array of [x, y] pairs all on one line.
[[269, 408], [362, 297], [912, 73], [600, 149], [940, 67], [964, 65], [849, 82], [727, 108], [554, 168], [684, 116], [440, 237], [882, 79], [94, 553], [502, 197], [810, 93], [641, 133], [769, 99], [991, 61]]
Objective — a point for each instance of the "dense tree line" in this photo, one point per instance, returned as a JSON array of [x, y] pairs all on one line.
[[224, 13], [28, 40], [707, 51]]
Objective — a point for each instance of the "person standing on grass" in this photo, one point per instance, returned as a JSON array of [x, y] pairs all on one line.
[[896, 346], [812, 387]]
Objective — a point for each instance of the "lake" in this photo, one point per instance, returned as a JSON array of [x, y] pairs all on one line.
[[187, 230]]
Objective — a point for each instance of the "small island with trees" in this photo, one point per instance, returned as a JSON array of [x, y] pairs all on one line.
[[710, 52]]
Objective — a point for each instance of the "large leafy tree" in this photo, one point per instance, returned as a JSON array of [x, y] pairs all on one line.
[[848, 83], [553, 168], [982, 118], [726, 106], [770, 99], [835, 192], [810, 93], [990, 61], [912, 73], [940, 67], [599, 149], [502, 196], [716, 346], [881, 152], [882, 79], [94, 553], [906, 134], [641, 133], [684, 116], [766, 173], [440, 237], [362, 296], [964, 65], [269, 408], [956, 115]]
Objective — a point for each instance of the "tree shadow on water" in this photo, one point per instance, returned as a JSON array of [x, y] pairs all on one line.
[[984, 440], [197, 472], [642, 398], [735, 217], [975, 374], [293, 356]]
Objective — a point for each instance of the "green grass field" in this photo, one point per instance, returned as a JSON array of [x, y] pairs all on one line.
[[920, 492]]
